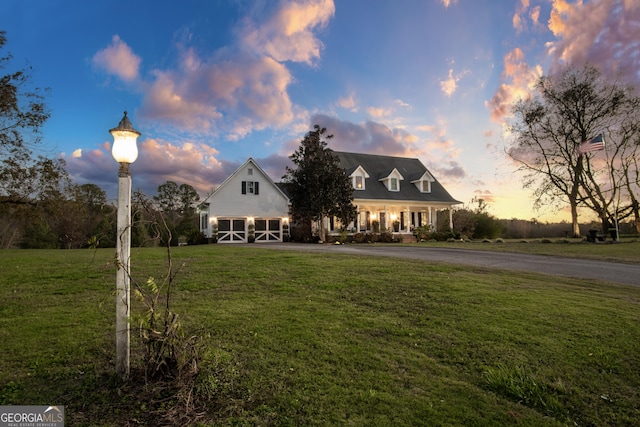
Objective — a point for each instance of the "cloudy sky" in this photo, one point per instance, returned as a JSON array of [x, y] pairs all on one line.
[[210, 83]]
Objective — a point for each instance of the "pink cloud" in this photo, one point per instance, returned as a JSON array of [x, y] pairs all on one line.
[[288, 34], [369, 137], [191, 163], [534, 14], [450, 84], [348, 102], [520, 79], [119, 60], [605, 33], [238, 89], [376, 138], [235, 96]]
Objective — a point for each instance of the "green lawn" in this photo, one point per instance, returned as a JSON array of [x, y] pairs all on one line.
[[296, 338]]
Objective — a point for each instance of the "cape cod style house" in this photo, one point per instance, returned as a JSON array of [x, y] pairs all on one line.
[[390, 193], [393, 193]]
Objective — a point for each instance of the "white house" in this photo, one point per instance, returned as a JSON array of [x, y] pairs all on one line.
[[390, 193], [248, 205], [393, 193]]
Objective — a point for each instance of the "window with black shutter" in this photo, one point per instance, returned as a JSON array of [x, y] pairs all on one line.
[[250, 187]]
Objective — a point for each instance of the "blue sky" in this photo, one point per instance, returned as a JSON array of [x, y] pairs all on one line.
[[211, 83]]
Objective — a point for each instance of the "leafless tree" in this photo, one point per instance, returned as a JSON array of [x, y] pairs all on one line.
[[564, 111]]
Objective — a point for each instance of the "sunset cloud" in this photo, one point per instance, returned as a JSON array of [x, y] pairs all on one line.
[[520, 79], [231, 92], [449, 85], [436, 151], [288, 34], [118, 59], [605, 33], [519, 20], [191, 163], [378, 112], [348, 102], [369, 137], [234, 97]]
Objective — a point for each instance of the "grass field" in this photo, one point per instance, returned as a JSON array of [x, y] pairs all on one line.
[[297, 338]]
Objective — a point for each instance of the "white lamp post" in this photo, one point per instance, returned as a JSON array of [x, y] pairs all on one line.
[[125, 152]]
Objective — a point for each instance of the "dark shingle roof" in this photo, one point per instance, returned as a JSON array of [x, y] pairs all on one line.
[[381, 166]]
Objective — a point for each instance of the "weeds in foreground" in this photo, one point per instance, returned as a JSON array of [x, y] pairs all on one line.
[[171, 358], [523, 386]]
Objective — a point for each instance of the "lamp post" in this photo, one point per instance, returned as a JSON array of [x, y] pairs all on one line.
[[125, 152]]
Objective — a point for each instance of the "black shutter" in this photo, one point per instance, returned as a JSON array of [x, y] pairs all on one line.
[[255, 188], [244, 187]]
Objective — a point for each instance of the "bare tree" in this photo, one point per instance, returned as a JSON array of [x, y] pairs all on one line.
[[565, 111]]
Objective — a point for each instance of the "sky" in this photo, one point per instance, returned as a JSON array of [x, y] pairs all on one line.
[[210, 83]]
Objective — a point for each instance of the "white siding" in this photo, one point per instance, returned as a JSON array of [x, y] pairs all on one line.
[[229, 202]]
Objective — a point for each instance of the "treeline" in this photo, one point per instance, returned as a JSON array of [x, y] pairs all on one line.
[[81, 217], [478, 224]]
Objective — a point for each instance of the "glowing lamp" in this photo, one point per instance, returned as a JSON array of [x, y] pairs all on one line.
[[125, 136], [125, 152]]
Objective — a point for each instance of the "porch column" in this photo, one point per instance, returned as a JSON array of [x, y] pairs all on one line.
[[451, 219], [407, 219]]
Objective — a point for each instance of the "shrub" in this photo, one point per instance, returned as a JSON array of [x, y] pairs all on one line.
[[196, 238], [385, 237], [360, 238]]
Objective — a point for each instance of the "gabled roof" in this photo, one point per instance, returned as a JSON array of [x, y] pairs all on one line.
[[379, 167], [388, 175], [355, 169], [258, 168]]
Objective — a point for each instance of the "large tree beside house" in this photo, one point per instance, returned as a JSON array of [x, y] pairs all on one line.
[[318, 187]]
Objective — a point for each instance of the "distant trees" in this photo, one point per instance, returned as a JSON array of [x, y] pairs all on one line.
[[318, 187], [30, 186], [23, 112], [178, 205], [565, 111]]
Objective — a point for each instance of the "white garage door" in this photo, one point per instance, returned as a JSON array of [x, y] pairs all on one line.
[[268, 230], [231, 231]]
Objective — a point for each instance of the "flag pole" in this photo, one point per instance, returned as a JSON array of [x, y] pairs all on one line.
[[613, 192]]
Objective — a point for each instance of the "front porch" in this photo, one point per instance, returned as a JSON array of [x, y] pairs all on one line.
[[399, 220]]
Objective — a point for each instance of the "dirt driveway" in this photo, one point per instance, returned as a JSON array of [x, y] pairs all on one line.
[[628, 274]]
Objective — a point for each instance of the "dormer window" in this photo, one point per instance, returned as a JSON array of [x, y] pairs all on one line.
[[358, 178], [392, 181], [393, 184], [424, 183]]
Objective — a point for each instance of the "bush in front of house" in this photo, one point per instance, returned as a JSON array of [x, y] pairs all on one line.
[[424, 234]]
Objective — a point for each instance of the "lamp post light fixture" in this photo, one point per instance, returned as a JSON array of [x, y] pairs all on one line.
[[125, 152]]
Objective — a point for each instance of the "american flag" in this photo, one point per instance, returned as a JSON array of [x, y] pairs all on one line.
[[595, 144]]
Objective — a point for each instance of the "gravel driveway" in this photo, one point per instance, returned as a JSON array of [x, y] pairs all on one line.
[[628, 274]]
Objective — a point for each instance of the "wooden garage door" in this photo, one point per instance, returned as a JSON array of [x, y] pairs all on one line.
[[231, 231], [268, 230]]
